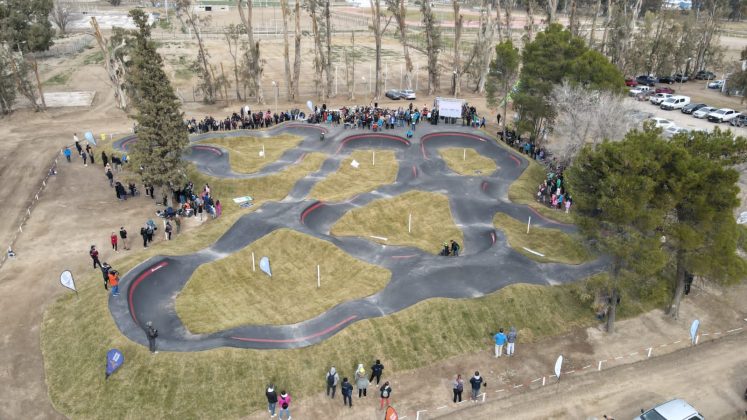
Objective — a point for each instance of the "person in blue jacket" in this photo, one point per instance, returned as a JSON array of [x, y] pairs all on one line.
[[500, 341]]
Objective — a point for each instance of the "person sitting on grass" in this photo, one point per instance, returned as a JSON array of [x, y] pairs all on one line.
[[445, 250]]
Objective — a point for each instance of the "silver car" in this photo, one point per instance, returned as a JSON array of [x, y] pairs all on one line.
[[703, 112]]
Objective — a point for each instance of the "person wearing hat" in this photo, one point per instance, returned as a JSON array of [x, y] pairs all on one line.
[[445, 250], [152, 333], [105, 273], [361, 381]]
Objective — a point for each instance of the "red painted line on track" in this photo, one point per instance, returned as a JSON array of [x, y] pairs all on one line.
[[137, 281], [310, 209], [295, 340], [547, 219], [492, 237], [515, 159], [484, 185], [373, 135], [414, 171], [126, 143], [300, 158], [209, 149]]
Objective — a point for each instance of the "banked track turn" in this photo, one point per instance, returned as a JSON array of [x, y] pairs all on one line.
[[487, 265]]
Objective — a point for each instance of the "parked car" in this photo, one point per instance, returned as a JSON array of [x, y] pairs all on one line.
[[703, 112], [681, 78], [646, 80], [716, 84], [664, 90], [666, 79], [739, 121], [661, 122], [704, 75], [639, 89], [690, 108], [393, 94], [671, 410], [675, 102], [722, 115], [630, 82], [658, 98], [674, 130], [407, 94]]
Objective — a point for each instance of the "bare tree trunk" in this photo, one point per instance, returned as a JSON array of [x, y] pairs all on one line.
[[328, 62], [255, 66], [510, 4], [530, 20], [399, 12], [297, 51], [607, 20], [498, 20], [612, 311], [634, 16], [433, 44], [289, 82], [319, 61], [485, 47], [352, 48], [458, 22], [376, 27], [572, 24], [552, 8], [24, 87], [185, 10], [232, 34], [114, 67], [679, 290], [594, 23]]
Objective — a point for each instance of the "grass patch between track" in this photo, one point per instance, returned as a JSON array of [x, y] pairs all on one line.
[[226, 293], [432, 223], [349, 181], [244, 151], [466, 161], [556, 245]]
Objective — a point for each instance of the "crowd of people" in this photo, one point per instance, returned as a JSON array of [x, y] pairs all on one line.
[[552, 193], [242, 120]]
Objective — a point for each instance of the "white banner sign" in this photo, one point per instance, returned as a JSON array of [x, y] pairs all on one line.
[[66, 279], [449, 107]]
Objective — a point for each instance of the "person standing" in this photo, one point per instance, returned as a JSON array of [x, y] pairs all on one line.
[[361, 381], [114, 282], [109, 175], [168, 229], [94, 256], [347, 392], [376, 371], [123, 236], [458, 388], [67, 153], [511, 340], [272, 399], [284, 401], [144, 234], [104, 158], [84, 155], [152, 333], [500, 341], [386, 394], [476, 383], [455, 248], [77, 144], [105, 273], [332, 379], [114, 241]]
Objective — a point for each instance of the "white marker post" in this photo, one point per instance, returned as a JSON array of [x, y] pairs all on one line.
[[409, 223], [373, 158], [254, 268], [318, 277], [263, 151], [464, 154], [529, 222]]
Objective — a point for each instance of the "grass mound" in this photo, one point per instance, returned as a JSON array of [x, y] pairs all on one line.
[[556, 245], [524, 191], [466, 161], [227, 293], [432, 223], [349, 181], [244, 151]]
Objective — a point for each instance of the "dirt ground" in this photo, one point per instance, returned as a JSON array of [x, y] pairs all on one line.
[[79, 209]]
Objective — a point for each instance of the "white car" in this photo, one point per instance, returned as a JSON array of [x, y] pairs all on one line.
[[407, 94], [674, 130], [722, 115], [639, 89], [703, 112], [659, 98], [675, 102], [671, 410], [716, 84], [661, 123]]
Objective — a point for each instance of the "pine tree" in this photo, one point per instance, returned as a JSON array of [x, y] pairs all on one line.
[[161, 133]]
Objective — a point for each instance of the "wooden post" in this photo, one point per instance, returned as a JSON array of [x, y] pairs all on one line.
[[529, 222]]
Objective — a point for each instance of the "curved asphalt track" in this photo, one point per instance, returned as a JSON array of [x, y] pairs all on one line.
[[488, 263]]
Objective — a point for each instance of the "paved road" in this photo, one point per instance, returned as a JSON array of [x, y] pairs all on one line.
[[487, 265], [712, 377]]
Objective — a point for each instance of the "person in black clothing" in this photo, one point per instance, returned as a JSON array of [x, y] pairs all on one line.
[[347, 392], [104, 158], [477, 383], [123, 235], [152, 333], [272, 399], [376, 371], [455, 248], [144, 234], [105, 273]]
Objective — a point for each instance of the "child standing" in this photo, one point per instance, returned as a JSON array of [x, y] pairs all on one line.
[[114, 241]]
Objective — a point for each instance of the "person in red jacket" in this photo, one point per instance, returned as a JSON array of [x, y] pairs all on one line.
[[114, 240], [94, 256], [284, 402]]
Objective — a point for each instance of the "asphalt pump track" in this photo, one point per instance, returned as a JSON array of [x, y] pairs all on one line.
[[487, 264]]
